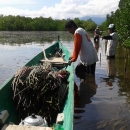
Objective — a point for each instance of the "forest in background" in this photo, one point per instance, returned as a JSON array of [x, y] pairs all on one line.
[[120, 18], [21, 23]]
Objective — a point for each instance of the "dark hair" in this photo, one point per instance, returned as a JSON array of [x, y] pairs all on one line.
[[70, 23]]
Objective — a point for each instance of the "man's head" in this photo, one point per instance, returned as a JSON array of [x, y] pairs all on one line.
[[111, 27], [71, 26]]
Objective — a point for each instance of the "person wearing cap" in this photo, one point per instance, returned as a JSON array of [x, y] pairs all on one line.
[[96, 35], [82, 47], [112, 41]]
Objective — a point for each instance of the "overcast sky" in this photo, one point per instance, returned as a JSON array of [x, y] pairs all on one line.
[[58, 9]]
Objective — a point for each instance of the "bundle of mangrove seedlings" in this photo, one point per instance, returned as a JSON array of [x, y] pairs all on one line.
[[39, 89]]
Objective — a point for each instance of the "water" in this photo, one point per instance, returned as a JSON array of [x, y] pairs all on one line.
[[101, 103], [98, 102]]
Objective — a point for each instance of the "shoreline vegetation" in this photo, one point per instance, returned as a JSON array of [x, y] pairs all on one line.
[[22, 37], [22, 23], [121, 19]]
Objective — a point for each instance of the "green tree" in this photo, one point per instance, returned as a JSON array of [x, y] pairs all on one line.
[[21, 23]]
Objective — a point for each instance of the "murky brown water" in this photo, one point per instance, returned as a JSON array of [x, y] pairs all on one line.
[[101, 102]]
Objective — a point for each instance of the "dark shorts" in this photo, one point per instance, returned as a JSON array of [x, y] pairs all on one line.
[[80, 69], [111, 57], [96, 39]]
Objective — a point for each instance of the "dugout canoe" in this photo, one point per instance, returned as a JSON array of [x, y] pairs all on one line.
[[6, 102]]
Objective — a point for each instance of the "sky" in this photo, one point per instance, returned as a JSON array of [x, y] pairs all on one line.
[[58, 9]]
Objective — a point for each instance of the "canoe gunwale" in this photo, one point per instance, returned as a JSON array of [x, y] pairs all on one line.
[[68, 110]]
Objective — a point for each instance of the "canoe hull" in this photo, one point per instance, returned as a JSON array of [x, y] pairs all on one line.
[[6, 102]]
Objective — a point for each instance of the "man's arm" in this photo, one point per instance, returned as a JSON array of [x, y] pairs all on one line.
[[107, 37], [77, 46]]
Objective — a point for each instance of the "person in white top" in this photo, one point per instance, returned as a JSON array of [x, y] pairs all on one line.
[[112, 41], [82, 47]]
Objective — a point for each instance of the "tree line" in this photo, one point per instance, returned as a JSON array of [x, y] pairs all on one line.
[[121, 19], [21, 23]]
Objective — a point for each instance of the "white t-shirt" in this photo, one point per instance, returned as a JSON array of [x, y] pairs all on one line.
[[88, 55], [111, 45]]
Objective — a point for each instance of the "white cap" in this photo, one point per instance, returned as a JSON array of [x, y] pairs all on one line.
[[111, 26]]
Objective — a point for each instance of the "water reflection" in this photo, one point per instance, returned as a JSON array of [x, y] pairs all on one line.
[[96, 46], [100, 104], [82, 97], [109, 82], [105, 107], [85, 91], [111, 68], [111, 74]]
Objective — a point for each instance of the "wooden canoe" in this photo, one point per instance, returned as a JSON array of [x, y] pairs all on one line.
[[6, 102]]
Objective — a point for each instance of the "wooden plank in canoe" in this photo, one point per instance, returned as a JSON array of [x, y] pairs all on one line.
[[20, 127], [55, 60]]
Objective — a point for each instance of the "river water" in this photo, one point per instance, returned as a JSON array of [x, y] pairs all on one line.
[[101, 102]]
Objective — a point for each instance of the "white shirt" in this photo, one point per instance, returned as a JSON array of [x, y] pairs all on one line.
[[88, 55], [111, 45]]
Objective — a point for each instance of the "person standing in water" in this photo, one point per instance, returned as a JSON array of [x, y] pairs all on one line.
[[97, 35], [111, 50], [112, 41], [82, 47]]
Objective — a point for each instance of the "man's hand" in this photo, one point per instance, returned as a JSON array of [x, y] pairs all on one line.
[[69, 62], [70, 58], [101, 37]]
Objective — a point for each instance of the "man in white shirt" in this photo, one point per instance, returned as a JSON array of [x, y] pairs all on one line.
[[112, 41], [82, 47]]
